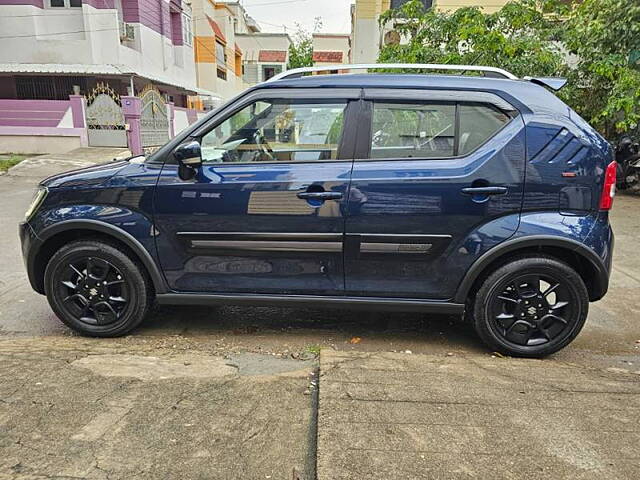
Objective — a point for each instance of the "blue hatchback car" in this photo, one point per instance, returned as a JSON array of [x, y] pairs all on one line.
[[467, 195]]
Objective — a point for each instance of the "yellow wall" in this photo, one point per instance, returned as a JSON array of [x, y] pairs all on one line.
[[488, 6], [205, 49], [370, 9]]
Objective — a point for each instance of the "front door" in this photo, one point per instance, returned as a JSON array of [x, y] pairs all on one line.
[[265, 213], [437, 180]]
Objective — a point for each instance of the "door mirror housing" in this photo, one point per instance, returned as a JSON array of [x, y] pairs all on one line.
[[189, 153], [189, 157]]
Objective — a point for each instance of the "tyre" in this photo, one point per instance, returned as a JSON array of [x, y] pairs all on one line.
[[97, 289], [530, 307]]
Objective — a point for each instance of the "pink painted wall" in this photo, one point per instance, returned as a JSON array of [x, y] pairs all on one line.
[[32, 113], [35, 3]]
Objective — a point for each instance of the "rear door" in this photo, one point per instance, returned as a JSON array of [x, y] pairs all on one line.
[[438, 179], [265, 213]]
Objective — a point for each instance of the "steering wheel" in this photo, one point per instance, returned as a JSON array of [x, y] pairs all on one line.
[[265, 151]]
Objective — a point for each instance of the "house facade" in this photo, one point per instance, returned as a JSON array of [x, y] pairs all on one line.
[[94, 72], [84, 42], [264, 55], [366, 35], [331, 48], [218, 55]]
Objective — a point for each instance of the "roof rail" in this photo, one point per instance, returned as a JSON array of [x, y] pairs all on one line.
[[488, 71]]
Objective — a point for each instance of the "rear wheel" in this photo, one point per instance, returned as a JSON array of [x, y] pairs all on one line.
[[531, 307], [97, 289]]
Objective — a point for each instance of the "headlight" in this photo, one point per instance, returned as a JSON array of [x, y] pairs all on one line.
[[38, 198]]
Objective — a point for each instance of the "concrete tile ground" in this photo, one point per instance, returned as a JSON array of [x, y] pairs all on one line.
[[86, 409], [393, 415], [77, 408]]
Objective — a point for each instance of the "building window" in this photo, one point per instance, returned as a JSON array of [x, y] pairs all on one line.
[[221, 61], [48, 88], [398, 3], [187, 32], [221, 56], [65, 3], [269, 71]]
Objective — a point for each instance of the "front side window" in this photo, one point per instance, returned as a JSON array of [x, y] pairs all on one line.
[[432, 130], [277, 131]]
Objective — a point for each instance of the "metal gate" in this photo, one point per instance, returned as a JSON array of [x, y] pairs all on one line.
[[105, 120], [154, 123]]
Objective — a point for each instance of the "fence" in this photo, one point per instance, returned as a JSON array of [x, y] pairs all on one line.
[[42, 126], [57, 126]]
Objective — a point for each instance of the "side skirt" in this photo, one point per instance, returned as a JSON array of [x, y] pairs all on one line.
[[365, 303]]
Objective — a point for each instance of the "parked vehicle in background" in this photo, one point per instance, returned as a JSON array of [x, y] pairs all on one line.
[[486, 197], [628, 159]]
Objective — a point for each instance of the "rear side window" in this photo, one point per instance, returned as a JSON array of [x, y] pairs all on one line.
[[406, 130], [432, 130]]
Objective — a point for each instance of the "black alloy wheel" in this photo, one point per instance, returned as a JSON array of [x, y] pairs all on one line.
[[97, 288], [532, 306], [93, 290], [533, 309]]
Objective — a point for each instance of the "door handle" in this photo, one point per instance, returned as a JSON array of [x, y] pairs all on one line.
[[320, 195], [484, 190]]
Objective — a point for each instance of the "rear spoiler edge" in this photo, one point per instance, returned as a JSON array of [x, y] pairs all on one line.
[[554, 83]]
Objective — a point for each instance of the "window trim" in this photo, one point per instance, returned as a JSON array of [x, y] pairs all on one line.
[[345, 150], [403, 96]]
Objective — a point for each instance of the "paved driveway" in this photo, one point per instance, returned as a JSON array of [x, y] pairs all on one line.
[[247, 408]]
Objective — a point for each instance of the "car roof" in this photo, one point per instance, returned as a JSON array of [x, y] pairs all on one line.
[[524, 95]]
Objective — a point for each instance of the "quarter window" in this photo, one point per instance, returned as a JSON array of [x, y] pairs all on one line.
[[432, 130], [478, 123], [277, 131]]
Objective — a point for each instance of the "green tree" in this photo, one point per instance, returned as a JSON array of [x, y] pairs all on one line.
[[519, 37], [595, 43], [604, 87], [301, 48]]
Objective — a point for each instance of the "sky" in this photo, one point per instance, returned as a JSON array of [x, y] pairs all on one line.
[[276, 15]]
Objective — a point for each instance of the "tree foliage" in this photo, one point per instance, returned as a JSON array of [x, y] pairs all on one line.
[[589, 42], [604, 87], [518, 38], [301, 47]]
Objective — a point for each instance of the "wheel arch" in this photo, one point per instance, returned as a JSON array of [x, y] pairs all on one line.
[[584, 261], [52, 238]]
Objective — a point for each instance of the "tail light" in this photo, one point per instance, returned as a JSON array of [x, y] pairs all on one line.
[[609, 188]]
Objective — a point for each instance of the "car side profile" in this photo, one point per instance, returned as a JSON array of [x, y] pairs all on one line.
[[468, 195]]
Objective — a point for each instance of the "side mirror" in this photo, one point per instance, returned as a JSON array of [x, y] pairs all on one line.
[[189, 153], [189, 157]]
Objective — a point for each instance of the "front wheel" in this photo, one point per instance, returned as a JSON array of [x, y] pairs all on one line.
[[97, 289], [531, 307]]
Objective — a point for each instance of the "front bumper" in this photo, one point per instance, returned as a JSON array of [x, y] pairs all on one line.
[[30, 245]]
